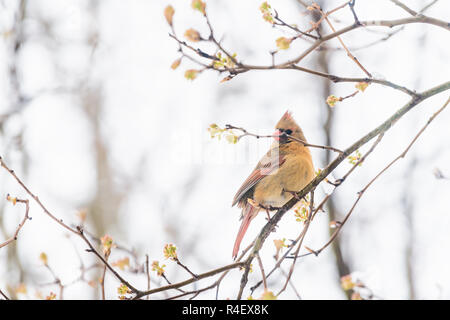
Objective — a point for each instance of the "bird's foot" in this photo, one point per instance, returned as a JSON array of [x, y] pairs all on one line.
[[293, 193], [267, 211], [261, 206], [268, 215], [265, 208], [268, 218]]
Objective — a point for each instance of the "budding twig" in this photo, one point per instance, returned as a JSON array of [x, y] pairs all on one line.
[[246, 133], [21, 224]]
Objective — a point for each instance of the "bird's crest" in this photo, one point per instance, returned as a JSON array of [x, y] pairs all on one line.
[[288, 122], [287, 115]]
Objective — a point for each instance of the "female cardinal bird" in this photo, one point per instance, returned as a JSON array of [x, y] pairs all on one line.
[[285, 169]]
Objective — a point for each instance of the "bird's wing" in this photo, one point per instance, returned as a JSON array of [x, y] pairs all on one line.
[[268, 164]]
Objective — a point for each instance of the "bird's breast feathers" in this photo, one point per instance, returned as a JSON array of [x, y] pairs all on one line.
[[293, 175]]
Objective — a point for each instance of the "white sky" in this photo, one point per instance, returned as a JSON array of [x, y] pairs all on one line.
[[153, 115]]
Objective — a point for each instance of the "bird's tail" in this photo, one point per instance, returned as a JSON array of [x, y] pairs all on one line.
[[249, 212]]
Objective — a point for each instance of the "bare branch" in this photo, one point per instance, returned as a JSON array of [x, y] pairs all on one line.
[[189, 281], [404, 7], [4, 295], [21, 224]]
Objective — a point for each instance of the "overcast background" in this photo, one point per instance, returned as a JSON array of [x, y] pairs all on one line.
[[93, 118]]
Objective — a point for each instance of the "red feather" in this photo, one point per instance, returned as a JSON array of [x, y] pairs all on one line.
[[249, 212]]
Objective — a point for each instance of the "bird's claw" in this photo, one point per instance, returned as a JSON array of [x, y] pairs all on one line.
[[293, 193]]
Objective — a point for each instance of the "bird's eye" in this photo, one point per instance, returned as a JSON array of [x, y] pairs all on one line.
[[288, 131]]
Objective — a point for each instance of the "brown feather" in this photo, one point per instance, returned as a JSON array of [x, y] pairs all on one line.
[[270, 162], [286, 167]]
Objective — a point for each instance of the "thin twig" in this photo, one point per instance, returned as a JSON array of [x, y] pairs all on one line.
[[191, 280], [261, 267], [4, 295], [59, 221], [301, 33], [185, 268], [291, 284], [351, 4], [57, 281], [102, 280], [148, 274], [325, 15], [246, 133], [351, 56], [80, 232], [21, 224], [305, 230], [404, 7], [216, 284], [217, 43]]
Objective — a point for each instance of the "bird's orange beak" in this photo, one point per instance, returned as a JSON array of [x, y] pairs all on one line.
[[277, 133]]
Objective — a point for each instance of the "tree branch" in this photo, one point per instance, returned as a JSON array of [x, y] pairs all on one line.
[[385, 126], [21, 224]]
